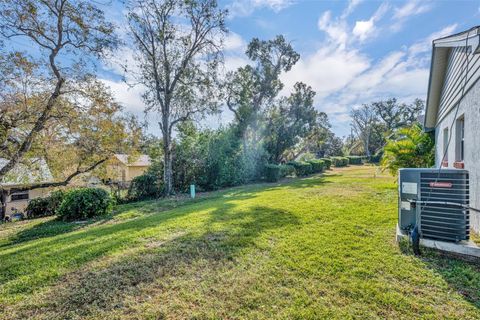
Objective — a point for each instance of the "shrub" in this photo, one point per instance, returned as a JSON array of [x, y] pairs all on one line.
[[47, 206], [272, 172], [376, 158], [143, 187], [354, 159], [409, 148], [80, 204], [328, 162], [301, 168], [317, 165], [38, 207], [286, 170], [340, 161]]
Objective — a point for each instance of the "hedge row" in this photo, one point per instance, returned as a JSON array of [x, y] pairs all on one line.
[[302, 169], [340, 161], [274, 172], [76, 204], [355, 159], [328, 162], [317, 165]]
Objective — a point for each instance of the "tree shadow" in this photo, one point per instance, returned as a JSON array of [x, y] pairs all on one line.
[[461, 275], [26, 266], [55, 227], [218, 243]]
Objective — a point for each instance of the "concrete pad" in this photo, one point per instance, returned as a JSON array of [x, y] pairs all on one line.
[[464, 248]]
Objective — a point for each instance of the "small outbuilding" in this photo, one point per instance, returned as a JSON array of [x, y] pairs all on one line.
[[14, 193]]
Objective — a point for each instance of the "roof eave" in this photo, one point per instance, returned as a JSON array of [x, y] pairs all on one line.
[[466, 38]]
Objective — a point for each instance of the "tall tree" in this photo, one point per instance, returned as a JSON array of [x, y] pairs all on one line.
[[79, 136], [65, 32], [251, 87], [178, 50], [288, 121], [396, 115], [364, 120]]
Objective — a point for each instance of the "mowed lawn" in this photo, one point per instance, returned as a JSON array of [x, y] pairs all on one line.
[[319, 247]]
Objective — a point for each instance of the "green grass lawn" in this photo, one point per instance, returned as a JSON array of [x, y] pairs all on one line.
[[320, 247]]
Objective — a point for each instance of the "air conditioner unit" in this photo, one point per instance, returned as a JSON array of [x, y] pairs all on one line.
[[436, 202]]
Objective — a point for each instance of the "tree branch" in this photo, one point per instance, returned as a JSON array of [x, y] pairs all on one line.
[[64, 182]]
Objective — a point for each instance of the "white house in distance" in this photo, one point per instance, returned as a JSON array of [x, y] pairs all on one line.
[[453, 108]]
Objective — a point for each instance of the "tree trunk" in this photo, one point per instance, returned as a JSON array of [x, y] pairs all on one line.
[[167, 165], [367, 144], [3, 202]]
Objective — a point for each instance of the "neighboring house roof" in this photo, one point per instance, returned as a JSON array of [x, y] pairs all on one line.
[[142, 160], [440, 53], [37, 171]]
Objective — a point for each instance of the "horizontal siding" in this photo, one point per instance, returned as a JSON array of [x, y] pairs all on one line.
[[455, 78]]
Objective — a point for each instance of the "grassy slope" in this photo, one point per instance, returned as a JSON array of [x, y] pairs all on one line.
[[310, 248]]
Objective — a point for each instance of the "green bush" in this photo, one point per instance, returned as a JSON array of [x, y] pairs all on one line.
[[47, 206], [340, 161], [317, 165], [301, 168], [144, 187], [272, 172], [286, 170], [354, 159], [38, 207], [328, 162], [80, 204], [375, 158]]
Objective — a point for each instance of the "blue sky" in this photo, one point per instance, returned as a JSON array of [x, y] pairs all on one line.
[[352, 52]]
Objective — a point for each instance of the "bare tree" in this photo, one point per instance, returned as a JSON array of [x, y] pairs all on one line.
[[363, 121], [64, 32], [178, 50]]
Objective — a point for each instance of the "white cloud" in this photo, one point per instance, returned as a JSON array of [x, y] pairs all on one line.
[[426, 44], [234, 41], [328, 70], [129, 97], [345, 77], [408, 10], [247, 7], [336, 29], [365, 29], [411, 8], [352, 4]]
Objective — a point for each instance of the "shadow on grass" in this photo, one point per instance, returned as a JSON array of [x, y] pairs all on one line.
[[27, 266], [461, 275], [55, 227], [216, 244]]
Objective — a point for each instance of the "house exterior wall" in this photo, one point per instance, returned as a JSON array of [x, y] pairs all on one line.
[[118, 171], [21, 205], [135, 172], [469, 108], [454, 80]]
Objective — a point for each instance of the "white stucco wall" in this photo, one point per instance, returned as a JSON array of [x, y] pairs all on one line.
[[469, 108]]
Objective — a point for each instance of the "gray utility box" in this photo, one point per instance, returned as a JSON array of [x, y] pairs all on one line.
[[436, 202]]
